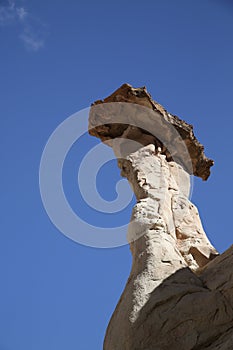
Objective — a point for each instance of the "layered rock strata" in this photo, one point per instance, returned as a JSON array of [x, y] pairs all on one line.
[[179, 292]]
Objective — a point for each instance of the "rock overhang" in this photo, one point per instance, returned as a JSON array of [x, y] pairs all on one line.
[[131, 113]]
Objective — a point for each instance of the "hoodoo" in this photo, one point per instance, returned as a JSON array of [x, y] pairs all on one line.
[[179, 294]]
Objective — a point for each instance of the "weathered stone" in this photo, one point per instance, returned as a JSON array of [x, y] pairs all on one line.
[[179, 292], [103, 125]]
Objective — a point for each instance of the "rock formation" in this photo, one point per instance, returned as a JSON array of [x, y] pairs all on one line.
[[153, 118], [179, 292]]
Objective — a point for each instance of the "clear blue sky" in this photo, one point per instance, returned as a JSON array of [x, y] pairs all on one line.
[[56, 58]]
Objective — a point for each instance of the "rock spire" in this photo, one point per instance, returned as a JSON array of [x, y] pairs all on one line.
[[178, 295]]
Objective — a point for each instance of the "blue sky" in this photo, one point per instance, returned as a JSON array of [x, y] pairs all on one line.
[[56, 58]]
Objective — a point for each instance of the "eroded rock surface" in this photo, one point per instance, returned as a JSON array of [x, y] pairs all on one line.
[[153, 127], [179, 292]]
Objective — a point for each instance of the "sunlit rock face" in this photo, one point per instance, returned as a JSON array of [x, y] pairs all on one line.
[[131, 113], [179, 292]]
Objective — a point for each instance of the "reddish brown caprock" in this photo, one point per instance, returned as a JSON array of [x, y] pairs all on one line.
[[126, 93]]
